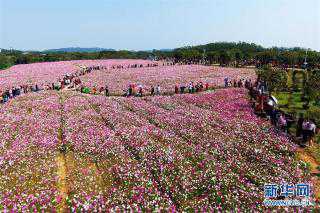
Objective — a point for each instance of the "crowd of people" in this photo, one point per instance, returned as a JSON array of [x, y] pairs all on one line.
[[266, 105], [73, 81], [68, 81], [140, 91], [13, 92], [237, 83], [191, 87]]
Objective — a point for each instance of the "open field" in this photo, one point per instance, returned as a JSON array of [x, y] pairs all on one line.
[[64, 150], [181, 152], [167, 77], [50, 72]]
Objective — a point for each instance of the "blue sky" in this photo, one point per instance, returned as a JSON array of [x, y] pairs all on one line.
[[155, 24]]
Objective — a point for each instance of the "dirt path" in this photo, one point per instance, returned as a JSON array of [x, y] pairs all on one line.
[[62, 183], [314, 165], [61, 162]]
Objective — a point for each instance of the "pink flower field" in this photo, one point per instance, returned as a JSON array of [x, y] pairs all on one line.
[[167, 77], [66, 151], [119, 79], [50, 72]]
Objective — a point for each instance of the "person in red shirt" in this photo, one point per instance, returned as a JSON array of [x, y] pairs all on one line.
[[133, 89], [176, 89]]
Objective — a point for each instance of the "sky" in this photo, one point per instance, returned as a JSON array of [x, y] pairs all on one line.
[[157, 24]]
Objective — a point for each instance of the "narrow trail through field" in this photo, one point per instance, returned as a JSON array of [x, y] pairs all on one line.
[[62, 181], [61, 161]]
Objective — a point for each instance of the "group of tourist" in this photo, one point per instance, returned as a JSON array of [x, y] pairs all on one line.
[[94, 90], [68, 81], [13, 92], [237, 83], [138, 90], [134, 90], [265, 104], [100, 67], [191, 87]]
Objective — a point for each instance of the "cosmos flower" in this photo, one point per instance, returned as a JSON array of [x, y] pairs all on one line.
[[191, 151]]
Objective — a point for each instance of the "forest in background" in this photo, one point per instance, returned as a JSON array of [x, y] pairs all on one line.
[[222, 53]]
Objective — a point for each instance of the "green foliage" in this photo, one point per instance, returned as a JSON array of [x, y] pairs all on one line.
[[276, 78], [313, 85], [6, 61], [224, 58]]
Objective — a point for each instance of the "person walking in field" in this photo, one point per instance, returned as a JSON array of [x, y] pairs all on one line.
[[158, 90], [182, 88], [94, 90], [106, 91], [234, 83], [207, 86], [299, 126], [130, 90], [282, 123], [308, 131], [305, 131], [140, 91], [101, 90], [226, 82], [176, 89], [201, 86], [190, 87], [152, 90]]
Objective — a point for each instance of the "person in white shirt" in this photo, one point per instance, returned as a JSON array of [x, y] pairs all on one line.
[[312, 131], [308, 131]]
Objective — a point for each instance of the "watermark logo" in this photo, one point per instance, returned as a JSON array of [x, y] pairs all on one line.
[[287, 194]]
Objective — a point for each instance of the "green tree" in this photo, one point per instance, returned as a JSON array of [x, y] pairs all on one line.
[[313, 85], [276, 78], [224, 58]]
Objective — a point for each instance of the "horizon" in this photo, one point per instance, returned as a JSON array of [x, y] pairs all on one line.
[[107, 48], [146, 25]]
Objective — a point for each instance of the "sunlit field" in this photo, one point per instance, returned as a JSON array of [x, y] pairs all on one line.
[[65, 150]]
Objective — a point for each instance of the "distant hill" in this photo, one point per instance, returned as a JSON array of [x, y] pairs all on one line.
[[162, 50], [79, 49]]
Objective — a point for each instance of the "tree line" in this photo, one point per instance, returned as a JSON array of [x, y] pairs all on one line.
[[222, 53]]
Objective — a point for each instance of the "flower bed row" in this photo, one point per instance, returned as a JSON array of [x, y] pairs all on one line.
[[203, 151]]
